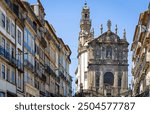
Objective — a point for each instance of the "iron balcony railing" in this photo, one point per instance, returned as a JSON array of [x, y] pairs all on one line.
[[49, 70], [4, 53], [43, 78], [28, 48], [28, 64], [19, 65]]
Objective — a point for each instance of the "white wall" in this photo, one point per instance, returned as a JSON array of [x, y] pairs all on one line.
[[82, 68]]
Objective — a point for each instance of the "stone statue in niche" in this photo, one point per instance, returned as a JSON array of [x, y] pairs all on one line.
[[108, 52]]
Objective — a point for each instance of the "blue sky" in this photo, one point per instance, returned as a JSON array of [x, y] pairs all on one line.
[[65, 16]]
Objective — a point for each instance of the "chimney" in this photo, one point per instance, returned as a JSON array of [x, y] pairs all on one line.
[[36, 9]]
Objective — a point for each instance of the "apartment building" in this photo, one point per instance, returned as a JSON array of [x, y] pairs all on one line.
[[141, 56], [30, 52], [11, 48]]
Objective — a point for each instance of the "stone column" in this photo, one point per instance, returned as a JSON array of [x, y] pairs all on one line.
[[124, 81], [116, 83], [89, 78], [101, 83]]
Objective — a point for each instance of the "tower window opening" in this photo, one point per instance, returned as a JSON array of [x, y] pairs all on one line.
[[86, 15]]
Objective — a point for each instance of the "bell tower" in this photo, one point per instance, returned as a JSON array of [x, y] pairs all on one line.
[[86, 34], [85, 25]]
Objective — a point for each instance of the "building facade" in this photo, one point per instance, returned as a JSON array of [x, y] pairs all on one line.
[[30, 52], [102, 62], [141, 56]]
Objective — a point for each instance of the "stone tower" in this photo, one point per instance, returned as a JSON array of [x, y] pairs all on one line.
[[85, 36], [102, 62]]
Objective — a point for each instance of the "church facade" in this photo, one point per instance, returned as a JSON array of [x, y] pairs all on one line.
[[102, 62]]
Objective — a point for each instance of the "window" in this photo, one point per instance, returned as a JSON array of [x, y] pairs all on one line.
[[109, 79], [19, 56], [3, 71], [25, 36], [36, 84], [3, 46], [12, 30], [2, 94], [98, 53], [32, 44], [8, 74], [13, 76], [36, 49], [41, 54], [37, 65], [19, 80], [12, 52], [8, 25], [19, 37], [29, 40], [25, 56], [86, 16], [8, 47], [3, 20]]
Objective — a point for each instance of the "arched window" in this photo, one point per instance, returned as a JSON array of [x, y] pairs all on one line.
[[108, 52], [109, 79], [86, 16]]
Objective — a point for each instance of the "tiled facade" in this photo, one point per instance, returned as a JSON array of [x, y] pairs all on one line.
[[33, 60]]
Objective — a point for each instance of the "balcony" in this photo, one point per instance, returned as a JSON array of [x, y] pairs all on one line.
[[38, 72], [13, 61], [5, 54], [42, 93], [28, 47], [47, 69], [28, 65], [20, 66]]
